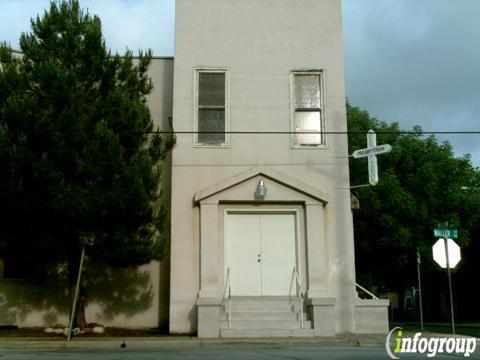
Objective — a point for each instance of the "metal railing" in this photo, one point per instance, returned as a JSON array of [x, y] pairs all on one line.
[[367, 292], [227, 286], [299, 292]]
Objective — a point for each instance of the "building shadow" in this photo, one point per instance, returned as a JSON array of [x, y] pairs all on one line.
[[114, 291]]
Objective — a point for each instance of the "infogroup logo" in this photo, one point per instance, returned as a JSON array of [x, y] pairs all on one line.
[[397, 343]]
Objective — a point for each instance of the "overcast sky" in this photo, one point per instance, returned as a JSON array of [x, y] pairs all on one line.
[[412, 61]]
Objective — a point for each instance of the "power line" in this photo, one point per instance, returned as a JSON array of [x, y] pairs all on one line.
[[317, 133]]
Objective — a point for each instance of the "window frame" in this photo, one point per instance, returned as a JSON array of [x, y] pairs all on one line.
[[210, 70], [322, 109]]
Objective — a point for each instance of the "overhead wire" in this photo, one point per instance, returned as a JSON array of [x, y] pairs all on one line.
[[400, 132]]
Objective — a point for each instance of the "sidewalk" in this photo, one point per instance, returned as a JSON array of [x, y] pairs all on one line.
[[185, 342]]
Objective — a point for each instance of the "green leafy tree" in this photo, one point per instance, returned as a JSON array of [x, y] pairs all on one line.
[[421, 183], [76, 155]]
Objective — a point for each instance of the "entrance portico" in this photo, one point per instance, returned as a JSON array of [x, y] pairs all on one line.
[[260, 244]]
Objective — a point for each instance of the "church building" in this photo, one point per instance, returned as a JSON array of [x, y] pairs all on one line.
[[258, 184]]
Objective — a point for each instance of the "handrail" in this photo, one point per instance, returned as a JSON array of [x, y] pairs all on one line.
[[366, 291], [299, 291], [227, 286]]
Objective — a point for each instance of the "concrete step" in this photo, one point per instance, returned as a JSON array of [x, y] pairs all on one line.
[[265, 324], [263, 304], [268, 299], [271, 300], [263, 308], [263, 315], [267, 333]]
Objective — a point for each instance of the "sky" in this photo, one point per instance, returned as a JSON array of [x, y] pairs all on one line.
[[416, 62]]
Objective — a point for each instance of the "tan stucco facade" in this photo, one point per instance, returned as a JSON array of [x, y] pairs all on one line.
[[259, 44]]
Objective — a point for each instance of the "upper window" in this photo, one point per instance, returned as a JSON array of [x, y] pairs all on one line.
[[307, 109], [211, 110]]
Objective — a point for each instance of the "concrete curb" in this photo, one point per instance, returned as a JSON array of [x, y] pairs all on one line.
[[186, 343]]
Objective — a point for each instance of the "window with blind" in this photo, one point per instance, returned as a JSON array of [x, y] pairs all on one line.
[[307, 109], [211, 108]]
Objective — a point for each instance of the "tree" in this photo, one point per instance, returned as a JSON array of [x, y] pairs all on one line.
[[421, 183], [77, 157]]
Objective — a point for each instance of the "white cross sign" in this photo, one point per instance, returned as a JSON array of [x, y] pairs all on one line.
[[371, 152]]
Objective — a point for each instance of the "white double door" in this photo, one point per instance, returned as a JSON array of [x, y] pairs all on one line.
[[261, 253]]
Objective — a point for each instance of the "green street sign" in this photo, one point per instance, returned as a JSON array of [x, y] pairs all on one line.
[[448, 233], [442, 225]]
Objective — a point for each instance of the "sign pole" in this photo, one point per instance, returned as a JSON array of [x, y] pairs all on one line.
[[420, 289], [77, 288], [85, 241], [449, 285]]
